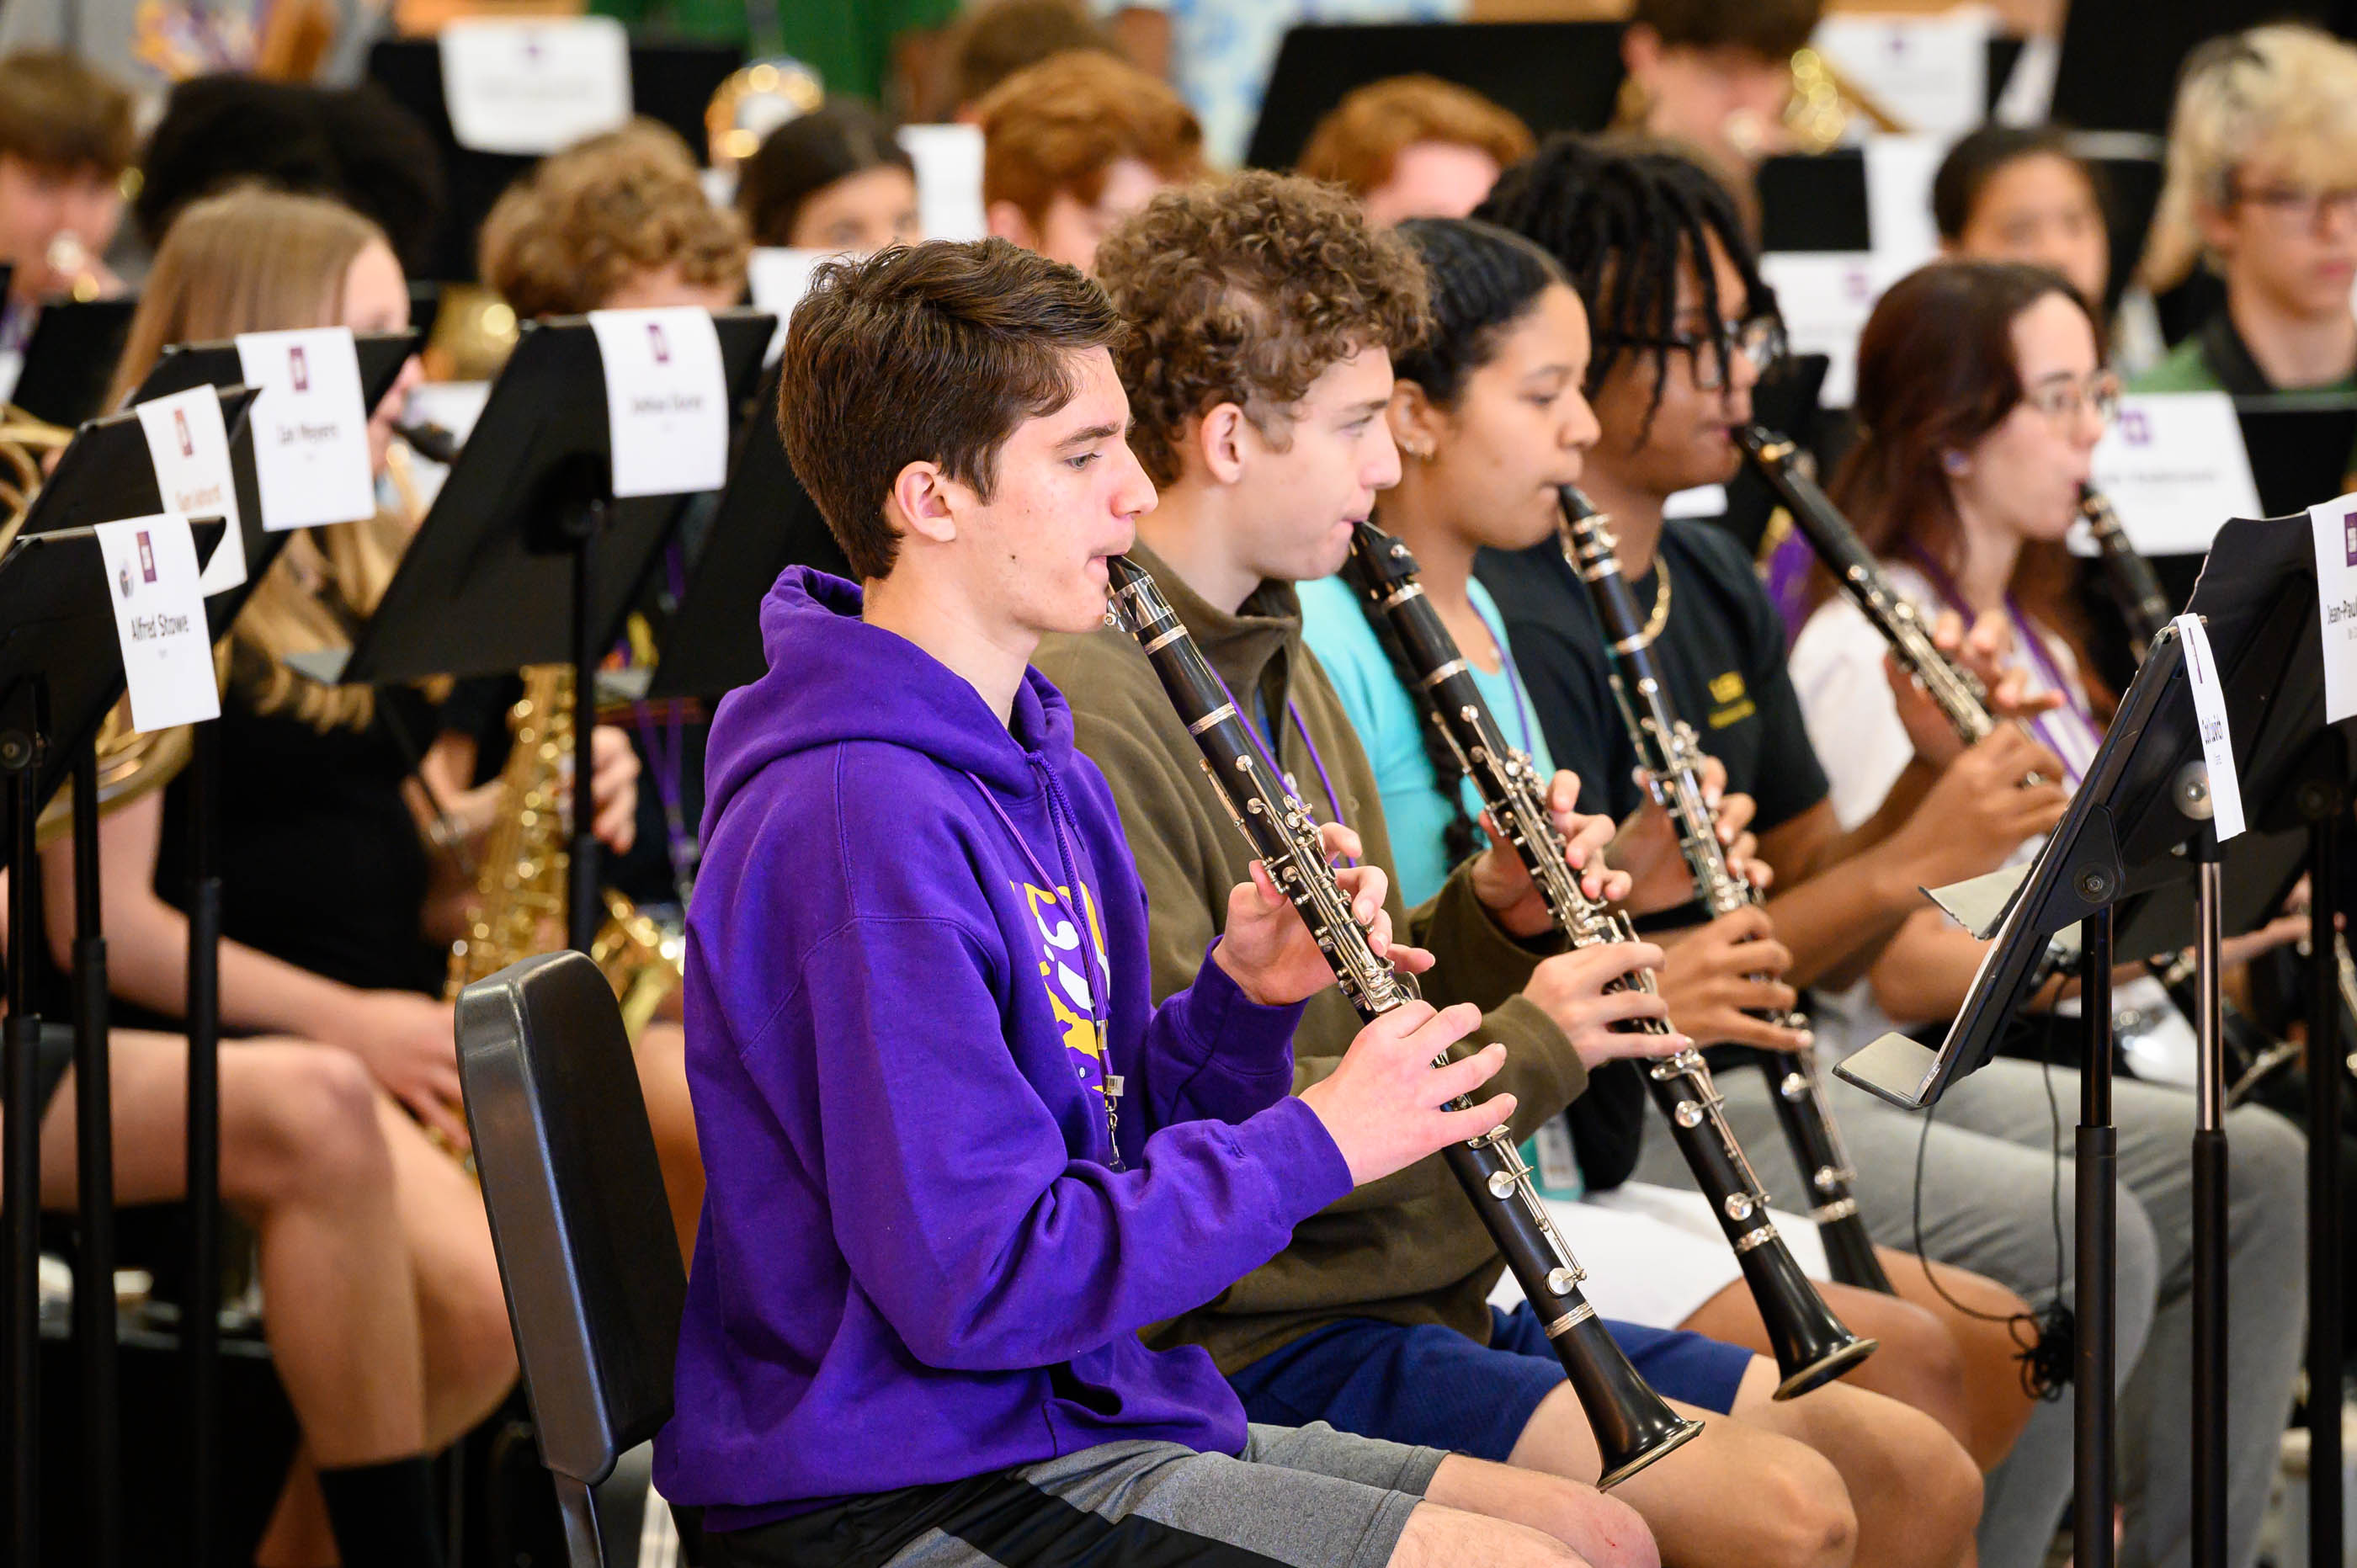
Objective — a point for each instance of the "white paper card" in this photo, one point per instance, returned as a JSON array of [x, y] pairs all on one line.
[[1930, 73], [160, 615], [666, 400], [534, 87], [949, 179], [1898, 221], [1703, 500], [2174, 467], [778, 278], [1825, 297], [2335, 526], [310, 430], [187, 443], [2217, 738]]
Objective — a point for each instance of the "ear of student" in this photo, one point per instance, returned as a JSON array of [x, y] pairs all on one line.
[[1009, 222], [1221, 439], [1415, 422], [921, 503]]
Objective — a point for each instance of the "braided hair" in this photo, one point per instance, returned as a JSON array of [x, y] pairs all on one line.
[[1622, 216], [1482, 281]]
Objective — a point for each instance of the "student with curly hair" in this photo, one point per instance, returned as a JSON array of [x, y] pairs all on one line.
[[1415, 147], [1074, 143], [1263, 317]]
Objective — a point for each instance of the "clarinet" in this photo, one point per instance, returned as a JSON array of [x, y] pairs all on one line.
[[1635, 1426], [2133, 585], [1666, 745], [1812, 1347]]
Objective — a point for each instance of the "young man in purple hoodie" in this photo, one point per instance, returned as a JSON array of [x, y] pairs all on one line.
[[957, 1157]]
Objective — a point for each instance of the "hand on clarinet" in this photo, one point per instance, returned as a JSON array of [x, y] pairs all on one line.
[[1570, 988], [1647, 844], [1383, 1104], [1721, 975], [1977, 812], [1984, 648], [1503, 883], [1271, 955]]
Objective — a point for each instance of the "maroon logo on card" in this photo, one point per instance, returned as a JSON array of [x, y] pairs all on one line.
[[180, 429], [298, 369], [656, 341], [147, 558], [2349, 536], [2134, 429]]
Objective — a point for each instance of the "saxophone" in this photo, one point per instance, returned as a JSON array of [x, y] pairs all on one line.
[[520, 887]]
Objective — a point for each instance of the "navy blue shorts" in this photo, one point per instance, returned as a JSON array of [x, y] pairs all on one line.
[[1434, 1387]]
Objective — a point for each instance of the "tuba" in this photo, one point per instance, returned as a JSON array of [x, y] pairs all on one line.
[[519, 886]]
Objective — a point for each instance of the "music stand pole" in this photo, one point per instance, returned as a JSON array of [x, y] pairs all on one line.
[[2326, 1054], [2096, 1255], [94, 1297], [2209, 1436], [21, 749], [201, 1313]]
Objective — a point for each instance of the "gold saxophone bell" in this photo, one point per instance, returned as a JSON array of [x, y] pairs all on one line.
[[1824, 102], [754, 102]]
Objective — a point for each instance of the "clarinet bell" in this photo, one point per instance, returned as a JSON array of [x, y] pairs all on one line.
[[1812, 1346]]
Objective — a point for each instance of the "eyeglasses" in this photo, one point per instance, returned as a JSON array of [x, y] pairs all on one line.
[[1759, 339], [2296, 205], [2067, 399]]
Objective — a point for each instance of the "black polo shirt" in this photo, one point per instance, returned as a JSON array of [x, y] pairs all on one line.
[[1721, 654]]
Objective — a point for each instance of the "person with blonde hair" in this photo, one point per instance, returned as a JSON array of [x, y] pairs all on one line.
[[619, 221], [383, 1309], [1415, 147], [1076, 143], [2262, 188]]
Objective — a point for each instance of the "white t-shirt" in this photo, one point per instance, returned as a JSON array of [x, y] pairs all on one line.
[[1853, 720]]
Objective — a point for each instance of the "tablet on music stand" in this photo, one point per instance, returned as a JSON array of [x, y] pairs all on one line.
[[70, 358], [2300, 445]]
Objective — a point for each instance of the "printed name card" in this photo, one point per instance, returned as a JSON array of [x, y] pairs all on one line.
[[2217, 738], [159, 616], [1931, 73], [666, 400], [949, 179], [190, 447], [533, 87], [2174, 467], [310, 429], [2335, 527], [1825, 297], [1898, 221], [777, 279]]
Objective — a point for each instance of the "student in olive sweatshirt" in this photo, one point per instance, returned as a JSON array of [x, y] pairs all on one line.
[[957, 1157], [1262, 315]]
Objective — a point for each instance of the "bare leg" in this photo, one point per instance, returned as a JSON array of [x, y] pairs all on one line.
[[1604, 1531], [1997, 1407], [470, 1358], [1438, 1537], [661, 1054], [1736, 1494], [1916, 1492]]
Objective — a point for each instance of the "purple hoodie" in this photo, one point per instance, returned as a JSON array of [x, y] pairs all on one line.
[[919, 1259]]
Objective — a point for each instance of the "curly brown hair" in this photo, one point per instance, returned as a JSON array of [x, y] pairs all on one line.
[[1245, 291], [585, 221]]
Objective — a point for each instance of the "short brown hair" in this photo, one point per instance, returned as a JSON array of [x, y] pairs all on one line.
[[1059, 125], [998, 38], [1355, 144], [1245, 292], [1771, 29], [925, 353], [57, 113], [586, 220]]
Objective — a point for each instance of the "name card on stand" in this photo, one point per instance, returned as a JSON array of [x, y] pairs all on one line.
[[159, 616], [1825, 297], [1931, 73], [949, 179], [2335, 526], [666, 400], [531, 88], [2209, 720], [1898, 172], [310, 429], [778, 278], [2174, 467], [190, 447]]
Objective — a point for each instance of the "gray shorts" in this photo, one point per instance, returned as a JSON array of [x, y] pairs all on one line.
[[1308, 1496]]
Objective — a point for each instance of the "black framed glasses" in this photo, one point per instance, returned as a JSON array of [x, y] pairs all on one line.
[[1759, 339]]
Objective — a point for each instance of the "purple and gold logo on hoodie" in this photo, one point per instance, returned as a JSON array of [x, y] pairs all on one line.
[[1070, 989]]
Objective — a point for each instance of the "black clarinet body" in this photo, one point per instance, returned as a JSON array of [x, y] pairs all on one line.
[[1668, 751], [1515, 796], [2133, 585], [1633, 1426]]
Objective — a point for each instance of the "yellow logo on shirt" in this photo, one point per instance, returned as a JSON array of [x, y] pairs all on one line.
[[1070, 989], [1733, 706]]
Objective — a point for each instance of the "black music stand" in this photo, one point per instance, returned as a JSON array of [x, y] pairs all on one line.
[[183, 365], [527, 557], [766, 522], [60, 670], [2134, 866], [70, 358], [1557, 76]]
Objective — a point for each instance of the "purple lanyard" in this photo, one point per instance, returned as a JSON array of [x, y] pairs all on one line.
[[2026, 633], [1514, 676], [1333, 800]]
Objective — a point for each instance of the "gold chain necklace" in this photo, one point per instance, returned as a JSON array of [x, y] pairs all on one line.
[[1661, 615]]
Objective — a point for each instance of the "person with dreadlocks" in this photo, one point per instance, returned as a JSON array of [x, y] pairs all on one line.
[[1489, 412], [1683, 326]]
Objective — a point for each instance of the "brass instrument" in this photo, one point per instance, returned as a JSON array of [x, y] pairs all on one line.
[[520, 885], [754, 102]]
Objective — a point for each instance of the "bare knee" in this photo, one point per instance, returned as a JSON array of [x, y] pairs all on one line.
[[1806, 1518], [1599, 1530], [1925, 1365], [1436, 1536], [300, 1123]]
